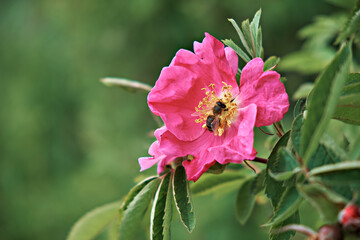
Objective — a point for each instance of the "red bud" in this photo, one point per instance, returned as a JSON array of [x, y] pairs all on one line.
[[330, 232], [349, 217]]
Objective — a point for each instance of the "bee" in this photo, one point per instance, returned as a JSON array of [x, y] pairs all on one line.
[[213, 121]]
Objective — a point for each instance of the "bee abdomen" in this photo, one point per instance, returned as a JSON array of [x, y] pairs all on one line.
[[209, 121]]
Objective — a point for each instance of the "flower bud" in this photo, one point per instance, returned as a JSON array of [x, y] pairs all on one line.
[[349, 217], [330, 232]]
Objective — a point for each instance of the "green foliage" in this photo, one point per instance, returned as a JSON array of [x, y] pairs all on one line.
[[322, 101], [250, 36], [327, 202], [271, 63], [211, 183], [295, 134], [274, 189], [354, 151], [299, 107], [168, 211], [161, 213], [288, 205], [183, 198], [352, 24], [342, 3], [245, 199], [237, 49], [342, 173], [303, 91], [91, 224], [348, 107], [317, 51], [322, 156], [256, 34], [217, 168], [135, 211], [274, 235], [287, 165], [135, 191]]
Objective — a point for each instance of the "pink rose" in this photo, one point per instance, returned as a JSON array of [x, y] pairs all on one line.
[[206, 114]]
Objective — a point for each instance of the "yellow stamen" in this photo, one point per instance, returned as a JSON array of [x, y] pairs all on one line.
[[206, 106]]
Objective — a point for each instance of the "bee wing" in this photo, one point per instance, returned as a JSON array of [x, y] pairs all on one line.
[[196, 114], [215, 124]]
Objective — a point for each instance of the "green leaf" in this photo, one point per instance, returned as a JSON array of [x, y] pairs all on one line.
[[237, 49], [183, 198], [342, 3], [168, 211], [354, 151], [95, 221], [338, 173], [299, 107], [322, 101], [271, 63], [332, 146], [241, 35], [113, 231], [352, 85], [295, 134], [217, 168], [274, 235], [288, 205], [259, 49], [127, 84], [284, 175], [210, 183], [303, 91], [348, 109], [327, 202], [245, 27], [273, 188], [134, 191], [245, 199], [352, 24], [287, 165], [322, 156], [254, 26], [162, 210], [307, 61], [136, 209]]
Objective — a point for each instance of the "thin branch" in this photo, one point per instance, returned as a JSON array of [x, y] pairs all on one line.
[[126, 83], [265, 132], [297, 227], [279, 133], [260, 160], [251, 167]]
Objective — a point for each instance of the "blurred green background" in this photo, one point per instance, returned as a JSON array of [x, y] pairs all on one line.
[[67, 142]]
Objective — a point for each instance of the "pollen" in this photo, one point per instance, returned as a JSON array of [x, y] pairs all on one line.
[[216, 111]]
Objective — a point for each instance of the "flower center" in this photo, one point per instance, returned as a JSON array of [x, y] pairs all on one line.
[[216, 113]]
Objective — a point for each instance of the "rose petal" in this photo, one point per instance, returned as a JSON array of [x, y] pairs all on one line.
[[235, 145], [209, 48], [232, 58], [148, 162], [251, 72], [265, 90], [157, 155], [196, 167], [179, 88]]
